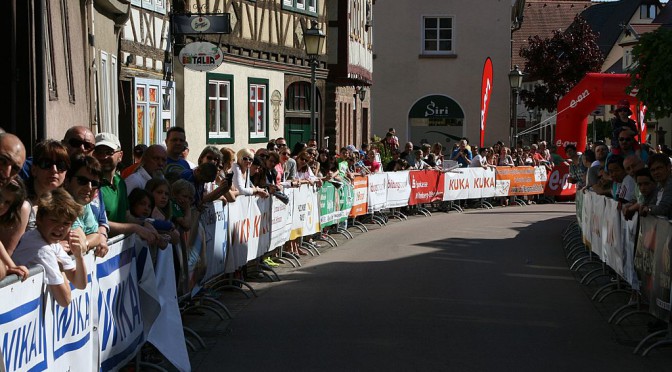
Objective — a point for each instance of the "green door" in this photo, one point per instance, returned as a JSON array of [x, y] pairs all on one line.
[[297, 130]]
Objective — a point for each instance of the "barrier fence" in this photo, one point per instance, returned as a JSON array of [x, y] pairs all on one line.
[[637, 250], [128, 301]]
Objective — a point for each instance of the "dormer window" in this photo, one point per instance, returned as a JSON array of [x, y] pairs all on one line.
[[647, 11]]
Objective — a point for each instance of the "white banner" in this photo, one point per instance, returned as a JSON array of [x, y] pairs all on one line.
[[377, 195], [587, 218], [281, 223], [611, 239], [71, 327], [456, 184], [596, 231], [23, 338], [305, 213], [215, 221], [629, 239], [398, 189], [120, 321], [166, 332]]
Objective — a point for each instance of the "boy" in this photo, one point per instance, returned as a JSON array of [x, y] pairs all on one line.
[[56, 212]]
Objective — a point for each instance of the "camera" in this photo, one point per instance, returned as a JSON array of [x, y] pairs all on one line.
[[281, 196], [229, 178]]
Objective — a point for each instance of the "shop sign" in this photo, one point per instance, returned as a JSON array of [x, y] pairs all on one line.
[[201, 56]]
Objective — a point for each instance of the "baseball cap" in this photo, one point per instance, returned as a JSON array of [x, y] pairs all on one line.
[[109, 140]]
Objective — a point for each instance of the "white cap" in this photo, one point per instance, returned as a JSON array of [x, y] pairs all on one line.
[[109, 140]]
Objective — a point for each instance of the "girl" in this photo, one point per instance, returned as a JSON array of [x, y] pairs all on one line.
[[182, 195], [141, 204], [159, 188], [14, 212]]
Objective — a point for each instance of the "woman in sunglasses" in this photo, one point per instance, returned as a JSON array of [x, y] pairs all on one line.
[[50, 164], [241, 175], [82, 182]]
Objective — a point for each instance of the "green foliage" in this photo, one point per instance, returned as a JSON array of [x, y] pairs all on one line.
[[602, 130], [385, 155], [560, 62], [652, 58]]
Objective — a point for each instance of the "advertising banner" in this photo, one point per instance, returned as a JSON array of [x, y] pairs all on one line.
[[328, 200], [120, 321], [346, 196], [281, 222], [521, 180], [398, 189], [215, 222], [360, 187], [556, 184], [377, 197], [426, 187], [23, 336]]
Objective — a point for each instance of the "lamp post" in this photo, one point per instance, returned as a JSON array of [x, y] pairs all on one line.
[[361, 93], [313, 39], [515, 81]]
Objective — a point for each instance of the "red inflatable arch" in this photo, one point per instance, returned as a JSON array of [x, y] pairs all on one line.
[[580, 102]]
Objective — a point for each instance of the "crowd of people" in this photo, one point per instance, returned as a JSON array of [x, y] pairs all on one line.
[[73, 194]]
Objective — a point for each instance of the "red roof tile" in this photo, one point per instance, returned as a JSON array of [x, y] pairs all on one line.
[[542, 18]]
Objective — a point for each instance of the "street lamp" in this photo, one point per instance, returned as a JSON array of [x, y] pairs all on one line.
[[313, 39], [362, 93], [515, 81]]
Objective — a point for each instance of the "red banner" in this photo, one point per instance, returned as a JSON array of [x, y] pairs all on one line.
[[426, 186], [486, 91], [557, 184]]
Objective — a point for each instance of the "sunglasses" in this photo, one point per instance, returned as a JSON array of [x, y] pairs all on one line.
[[75, 142], [61, 165], [104, 151], [281, 145], [245, 158], [83, 181], [624, 139]]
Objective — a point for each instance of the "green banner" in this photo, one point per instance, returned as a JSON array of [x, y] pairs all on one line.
[[346, 196], [328, 211]]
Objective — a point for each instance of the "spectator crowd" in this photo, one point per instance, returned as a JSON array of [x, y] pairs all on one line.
[[73, 194]]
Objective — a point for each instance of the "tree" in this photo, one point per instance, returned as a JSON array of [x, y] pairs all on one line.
[[652, 58], [560, 62]]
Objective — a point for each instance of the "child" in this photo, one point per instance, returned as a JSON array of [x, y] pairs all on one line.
[[159, 188], [14, 210], [182, 194], [56, 212], [141, 204]]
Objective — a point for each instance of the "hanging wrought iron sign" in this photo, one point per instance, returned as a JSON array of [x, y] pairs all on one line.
[[186, 24]]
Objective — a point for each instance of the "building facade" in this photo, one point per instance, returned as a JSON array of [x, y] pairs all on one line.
[[428, 62]]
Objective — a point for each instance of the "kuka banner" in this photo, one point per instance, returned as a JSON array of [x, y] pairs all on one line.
[[486, 91]]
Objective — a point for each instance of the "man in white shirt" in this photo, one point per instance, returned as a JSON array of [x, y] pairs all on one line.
[[151, 165]]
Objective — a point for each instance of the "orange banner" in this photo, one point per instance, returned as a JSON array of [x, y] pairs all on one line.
[[359, 205], [522, 180]]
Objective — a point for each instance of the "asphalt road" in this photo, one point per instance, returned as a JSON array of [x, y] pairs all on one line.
[[485, 290]]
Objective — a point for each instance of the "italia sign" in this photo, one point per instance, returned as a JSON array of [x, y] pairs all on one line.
[[201, 56]]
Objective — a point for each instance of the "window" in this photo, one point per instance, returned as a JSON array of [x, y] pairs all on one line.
[[301, 6], [647, 11], [67, 54], [258, 110], [220, 108], [158, 6], [297, 97], [49, 55], [437, 35], [148, 111]]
